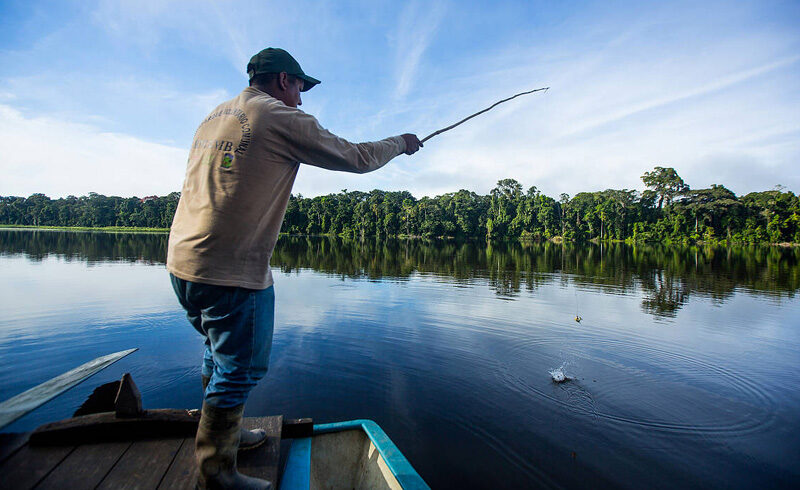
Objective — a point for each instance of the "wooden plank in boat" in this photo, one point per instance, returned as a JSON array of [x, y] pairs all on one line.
[[182, 473], [10, 442], [107, 427], [143, 464], [85, 467], [262, 462], [30, 464]]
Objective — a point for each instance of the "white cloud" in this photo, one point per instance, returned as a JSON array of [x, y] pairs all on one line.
[[60, 158], [152, 108]]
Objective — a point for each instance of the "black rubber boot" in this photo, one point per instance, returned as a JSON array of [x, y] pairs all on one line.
[[215, 450], [248, 439]]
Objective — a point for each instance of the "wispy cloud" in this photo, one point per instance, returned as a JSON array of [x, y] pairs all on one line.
[[416, 29], [139, 23], [721, 83], [221, 29]]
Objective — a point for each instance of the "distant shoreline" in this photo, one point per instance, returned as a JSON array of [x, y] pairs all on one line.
[[111, 229], [556, 240], [668, 212]]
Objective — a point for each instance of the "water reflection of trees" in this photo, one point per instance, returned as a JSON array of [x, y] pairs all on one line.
[[85, 246], [667, 276]]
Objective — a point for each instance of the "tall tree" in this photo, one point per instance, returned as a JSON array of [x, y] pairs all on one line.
[[666, 182]]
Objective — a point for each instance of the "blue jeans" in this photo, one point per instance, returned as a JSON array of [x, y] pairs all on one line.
[[237, 324]]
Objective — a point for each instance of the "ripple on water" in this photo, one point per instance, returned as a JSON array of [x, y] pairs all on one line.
[[634, 383]]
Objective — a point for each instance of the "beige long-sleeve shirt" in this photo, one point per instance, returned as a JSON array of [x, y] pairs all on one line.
[[242, 165]]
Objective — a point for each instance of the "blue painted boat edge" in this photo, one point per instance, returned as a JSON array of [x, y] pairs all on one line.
[[297, 472], [406, 475]]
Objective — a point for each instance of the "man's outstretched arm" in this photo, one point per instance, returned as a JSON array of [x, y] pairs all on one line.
[[310, 143]]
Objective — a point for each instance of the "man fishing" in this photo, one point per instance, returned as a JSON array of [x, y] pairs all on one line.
[[242, 164]]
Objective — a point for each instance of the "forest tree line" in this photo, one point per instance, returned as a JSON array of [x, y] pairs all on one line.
[[667, 211]]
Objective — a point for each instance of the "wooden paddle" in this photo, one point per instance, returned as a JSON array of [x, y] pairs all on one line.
[[16, 407]]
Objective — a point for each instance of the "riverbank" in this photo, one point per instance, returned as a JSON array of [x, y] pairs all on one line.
[[112, 229], [555, 239]]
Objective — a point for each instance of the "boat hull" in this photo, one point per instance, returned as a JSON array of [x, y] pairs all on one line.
[[356, 454]]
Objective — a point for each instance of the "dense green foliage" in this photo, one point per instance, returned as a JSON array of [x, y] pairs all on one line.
[[94, 211], [668, 211]]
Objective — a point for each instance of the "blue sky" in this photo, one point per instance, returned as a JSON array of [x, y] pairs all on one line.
[[104, 96]]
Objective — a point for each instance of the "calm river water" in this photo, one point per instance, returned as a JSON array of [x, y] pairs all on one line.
[[685, 367]]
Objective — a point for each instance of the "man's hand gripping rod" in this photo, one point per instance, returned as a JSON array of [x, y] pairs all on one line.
[[480, 112]]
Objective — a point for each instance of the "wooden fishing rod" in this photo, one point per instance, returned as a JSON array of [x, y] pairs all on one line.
[[448, 128]]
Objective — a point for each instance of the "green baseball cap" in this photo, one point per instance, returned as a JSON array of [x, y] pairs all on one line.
[[277, 60]]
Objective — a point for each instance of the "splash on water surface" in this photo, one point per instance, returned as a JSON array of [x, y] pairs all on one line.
[[559, 374]]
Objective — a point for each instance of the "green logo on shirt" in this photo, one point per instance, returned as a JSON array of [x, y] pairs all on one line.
[[227, 160]]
